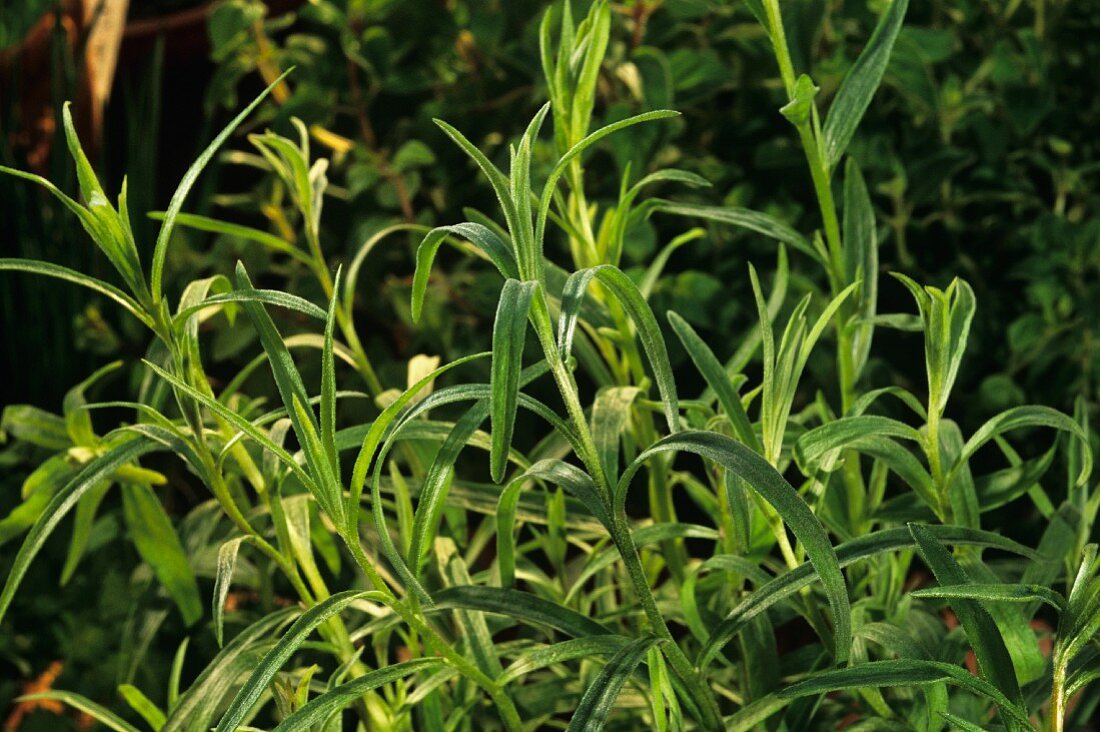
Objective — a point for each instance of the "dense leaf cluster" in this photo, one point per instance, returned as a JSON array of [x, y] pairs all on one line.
[[465, 550]]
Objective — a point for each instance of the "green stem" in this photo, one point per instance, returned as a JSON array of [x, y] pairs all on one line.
[[821, 176], [439, 645], [808, 135], [620, 531], [320, 271], [190, 372], [1058, 695], [681, 665], [935, 463], [662, 507], [823, 190], [567, 387], [586, 248], [779, 43], [365, 563]]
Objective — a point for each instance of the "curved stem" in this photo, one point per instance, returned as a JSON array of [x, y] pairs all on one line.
[[681, 665], [620, 530]]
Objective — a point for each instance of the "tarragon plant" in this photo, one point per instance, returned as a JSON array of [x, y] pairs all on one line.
[[530, 587]]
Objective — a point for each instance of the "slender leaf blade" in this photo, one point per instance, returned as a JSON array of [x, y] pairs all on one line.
[[982, 632], [250, 693], [323, 706], [774, 488], [599, 699], [509, 329], [63, 501], [160, 250], [859, 85]]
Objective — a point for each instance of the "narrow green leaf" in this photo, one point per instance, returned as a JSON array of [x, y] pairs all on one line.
[[326, 482], [572, 479], [528, 255], [594, 37], [509, 329], [472, 624], [860, 260], [570, 650], [1000, 592], [801, 104], [265, 671], [102, 224], [644, 536], [610, 418], [291, 162], [1030, 416], [83, 704], [175, 672], [675, 175], [89, 184], [496, 178], [1002, 486], [199, 706], [436, 484], [322, 707], [657, 265], [766, 481], [864, 402], [300, 531], [599, 699], [56, 271], [217, 226], [946, 316], [83, 523], [1058, 541], [993, 658], [859, 85], [754, 713], [39, 487], [961, 493], [736, 565], [904, 672], [379, 427], [904, 463], [328, 491], [960, 723], [143, 705], [227, 564], [287, 378], [717, 379], [521, 606], [820, 443], [78, 420], [482, 237], [433, 492], [258, 435], [626, 292], [63, 501], [36, 426], [328, 385], [267, 297], [155, 539], [114, 236], [160, 250], [851, 552], [562, 165], [742, 218]]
